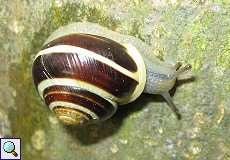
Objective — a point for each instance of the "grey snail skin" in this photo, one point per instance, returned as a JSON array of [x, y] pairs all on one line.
[[85, 71]]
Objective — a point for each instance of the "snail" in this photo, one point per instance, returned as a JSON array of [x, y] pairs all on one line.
[[84, 71]]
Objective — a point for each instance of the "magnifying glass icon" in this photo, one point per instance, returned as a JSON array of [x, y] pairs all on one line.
[[9, 147]]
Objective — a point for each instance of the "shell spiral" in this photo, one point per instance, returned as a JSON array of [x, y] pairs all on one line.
[[83, 77]]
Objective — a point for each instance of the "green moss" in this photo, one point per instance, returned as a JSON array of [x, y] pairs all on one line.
[[197, 58], [223, 58], [134, 29], [196, 39], [223, 2], [140, 9], [74, 12]]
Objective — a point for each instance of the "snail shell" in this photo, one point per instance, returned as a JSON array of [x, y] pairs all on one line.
[[84, 71], [83, 77]]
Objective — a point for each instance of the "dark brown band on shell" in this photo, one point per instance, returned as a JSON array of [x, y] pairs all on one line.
[[80, 97], [99, 45], [78, 101], [84, 68], [78, 91]]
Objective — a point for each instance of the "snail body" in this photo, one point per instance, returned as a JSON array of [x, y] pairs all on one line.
[[84, 71]]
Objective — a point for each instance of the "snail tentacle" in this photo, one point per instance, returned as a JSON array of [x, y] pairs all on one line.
[[173, 107]]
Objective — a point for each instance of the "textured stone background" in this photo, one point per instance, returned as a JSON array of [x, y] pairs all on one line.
[[195, 32]]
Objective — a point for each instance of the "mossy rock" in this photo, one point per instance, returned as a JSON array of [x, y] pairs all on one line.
[[193, 32]]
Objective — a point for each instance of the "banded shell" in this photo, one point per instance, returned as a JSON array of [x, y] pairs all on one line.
[[83, 77]]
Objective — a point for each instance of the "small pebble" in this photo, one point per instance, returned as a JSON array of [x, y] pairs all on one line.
[[199, 118], [150, 141], [195, 150], [216, 8], [194, 132], [169, 143], [160, 130], [53, 120], [58, 3], [38, 140], [114, 148], [14, 93], [173, 2], [124, 141]]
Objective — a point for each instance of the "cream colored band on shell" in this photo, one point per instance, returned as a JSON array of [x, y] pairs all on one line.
[[73, 106], [80, 84], [139, 76], [141, 71]]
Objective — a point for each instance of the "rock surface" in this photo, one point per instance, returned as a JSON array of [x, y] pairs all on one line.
[[195, 32]]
